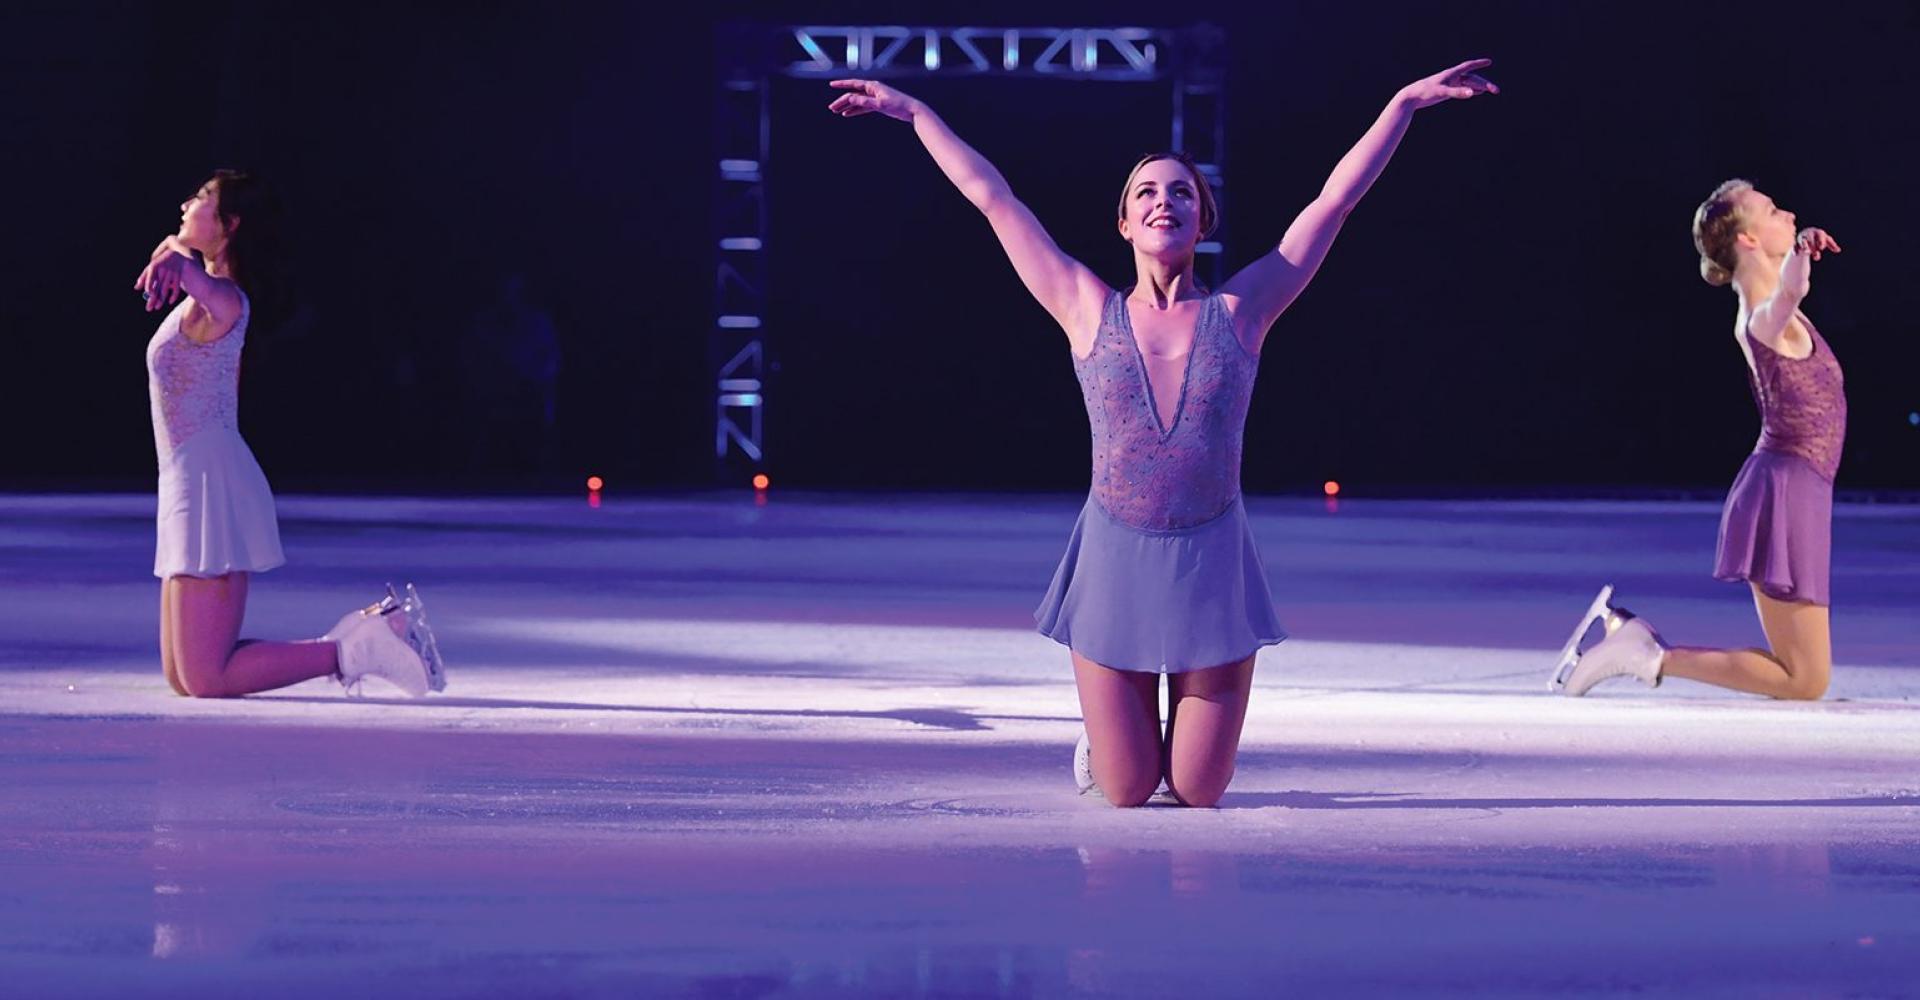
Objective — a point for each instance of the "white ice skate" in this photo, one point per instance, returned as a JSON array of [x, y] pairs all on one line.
[[1083, 765], [400, 650], [1628, 647]]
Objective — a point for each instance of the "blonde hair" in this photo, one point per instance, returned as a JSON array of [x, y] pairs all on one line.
[[1209, 209], [1715, 223]]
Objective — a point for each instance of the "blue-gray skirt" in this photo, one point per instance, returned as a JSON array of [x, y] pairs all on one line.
[[1160, 601]]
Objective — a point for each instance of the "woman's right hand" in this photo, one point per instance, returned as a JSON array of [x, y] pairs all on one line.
[[867, 96], [1456, 84]]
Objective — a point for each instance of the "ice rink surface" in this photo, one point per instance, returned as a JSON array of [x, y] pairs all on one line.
[[701, 746]]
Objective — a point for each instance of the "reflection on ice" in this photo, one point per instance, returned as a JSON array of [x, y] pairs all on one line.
[[696, 747]]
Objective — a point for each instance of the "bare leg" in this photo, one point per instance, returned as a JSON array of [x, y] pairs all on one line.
[[1205, 712], [1122, 712], [1798, 667], [207, 653], [167, 666]]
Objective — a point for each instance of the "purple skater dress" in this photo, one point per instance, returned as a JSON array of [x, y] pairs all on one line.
[[1161, 573], [1776, 530]]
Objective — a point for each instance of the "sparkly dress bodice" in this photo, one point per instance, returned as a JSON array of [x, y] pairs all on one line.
[[1802, 401], [1166, 478], [191, 386]]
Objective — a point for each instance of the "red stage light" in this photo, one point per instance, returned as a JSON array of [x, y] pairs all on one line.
[[760, 481], [595, 482], [1332, 488]]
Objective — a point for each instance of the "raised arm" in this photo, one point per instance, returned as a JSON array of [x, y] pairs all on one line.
[[1265, 288], [1771, 317], [1069, 292], [173, 270]]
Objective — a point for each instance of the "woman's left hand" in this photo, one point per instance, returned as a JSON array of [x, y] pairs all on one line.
[[1456, 84], [1815, 241], [161, 279]]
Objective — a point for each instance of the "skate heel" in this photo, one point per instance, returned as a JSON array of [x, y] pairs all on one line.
[[420, 634], [1083, 765], [1598, 611]]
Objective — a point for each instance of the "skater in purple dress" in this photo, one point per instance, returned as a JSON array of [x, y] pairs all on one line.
[[1161, 574], [1776, 528], [216, 523]]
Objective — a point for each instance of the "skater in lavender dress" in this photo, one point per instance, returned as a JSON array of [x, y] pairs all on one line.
[[1161, 574], [216, 524], [1776, 528]]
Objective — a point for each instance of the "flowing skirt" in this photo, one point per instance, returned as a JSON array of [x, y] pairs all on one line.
[[1777, 528], [216, 510], [1160, 601]]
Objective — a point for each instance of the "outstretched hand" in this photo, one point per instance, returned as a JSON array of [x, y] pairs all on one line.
[[159, 282], [867, 96], [1456, 84], [1814, 241]]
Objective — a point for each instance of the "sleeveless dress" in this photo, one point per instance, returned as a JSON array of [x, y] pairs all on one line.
[[216, 511], [1161, 573], [1776, 529]]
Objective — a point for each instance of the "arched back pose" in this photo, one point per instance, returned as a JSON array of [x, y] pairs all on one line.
[[216, 521], [1161, 573], [1777, 527]]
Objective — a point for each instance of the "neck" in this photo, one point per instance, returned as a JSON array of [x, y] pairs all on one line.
[[213, 259], [1755, 280], [1163, 283]]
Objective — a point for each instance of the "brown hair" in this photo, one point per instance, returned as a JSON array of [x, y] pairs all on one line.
[[1209, 210], [1715, 223]]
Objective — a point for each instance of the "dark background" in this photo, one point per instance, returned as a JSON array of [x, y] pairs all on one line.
[[1514, 308]]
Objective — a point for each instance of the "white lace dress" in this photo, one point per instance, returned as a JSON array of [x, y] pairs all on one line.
[[216, 510]]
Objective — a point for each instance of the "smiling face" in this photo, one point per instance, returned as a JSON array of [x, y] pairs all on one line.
[[1166, 208]]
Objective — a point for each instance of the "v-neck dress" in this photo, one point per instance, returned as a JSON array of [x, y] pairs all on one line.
[[1776, 529], [1161, 573]]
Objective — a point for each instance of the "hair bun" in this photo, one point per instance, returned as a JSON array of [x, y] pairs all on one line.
[[1714, 274]]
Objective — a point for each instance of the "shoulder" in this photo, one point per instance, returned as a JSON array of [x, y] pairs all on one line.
[[1246, 330], [223, 298], [1098, 310], [218, 312]]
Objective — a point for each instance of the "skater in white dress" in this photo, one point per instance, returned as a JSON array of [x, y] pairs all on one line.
[[216, 523]]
